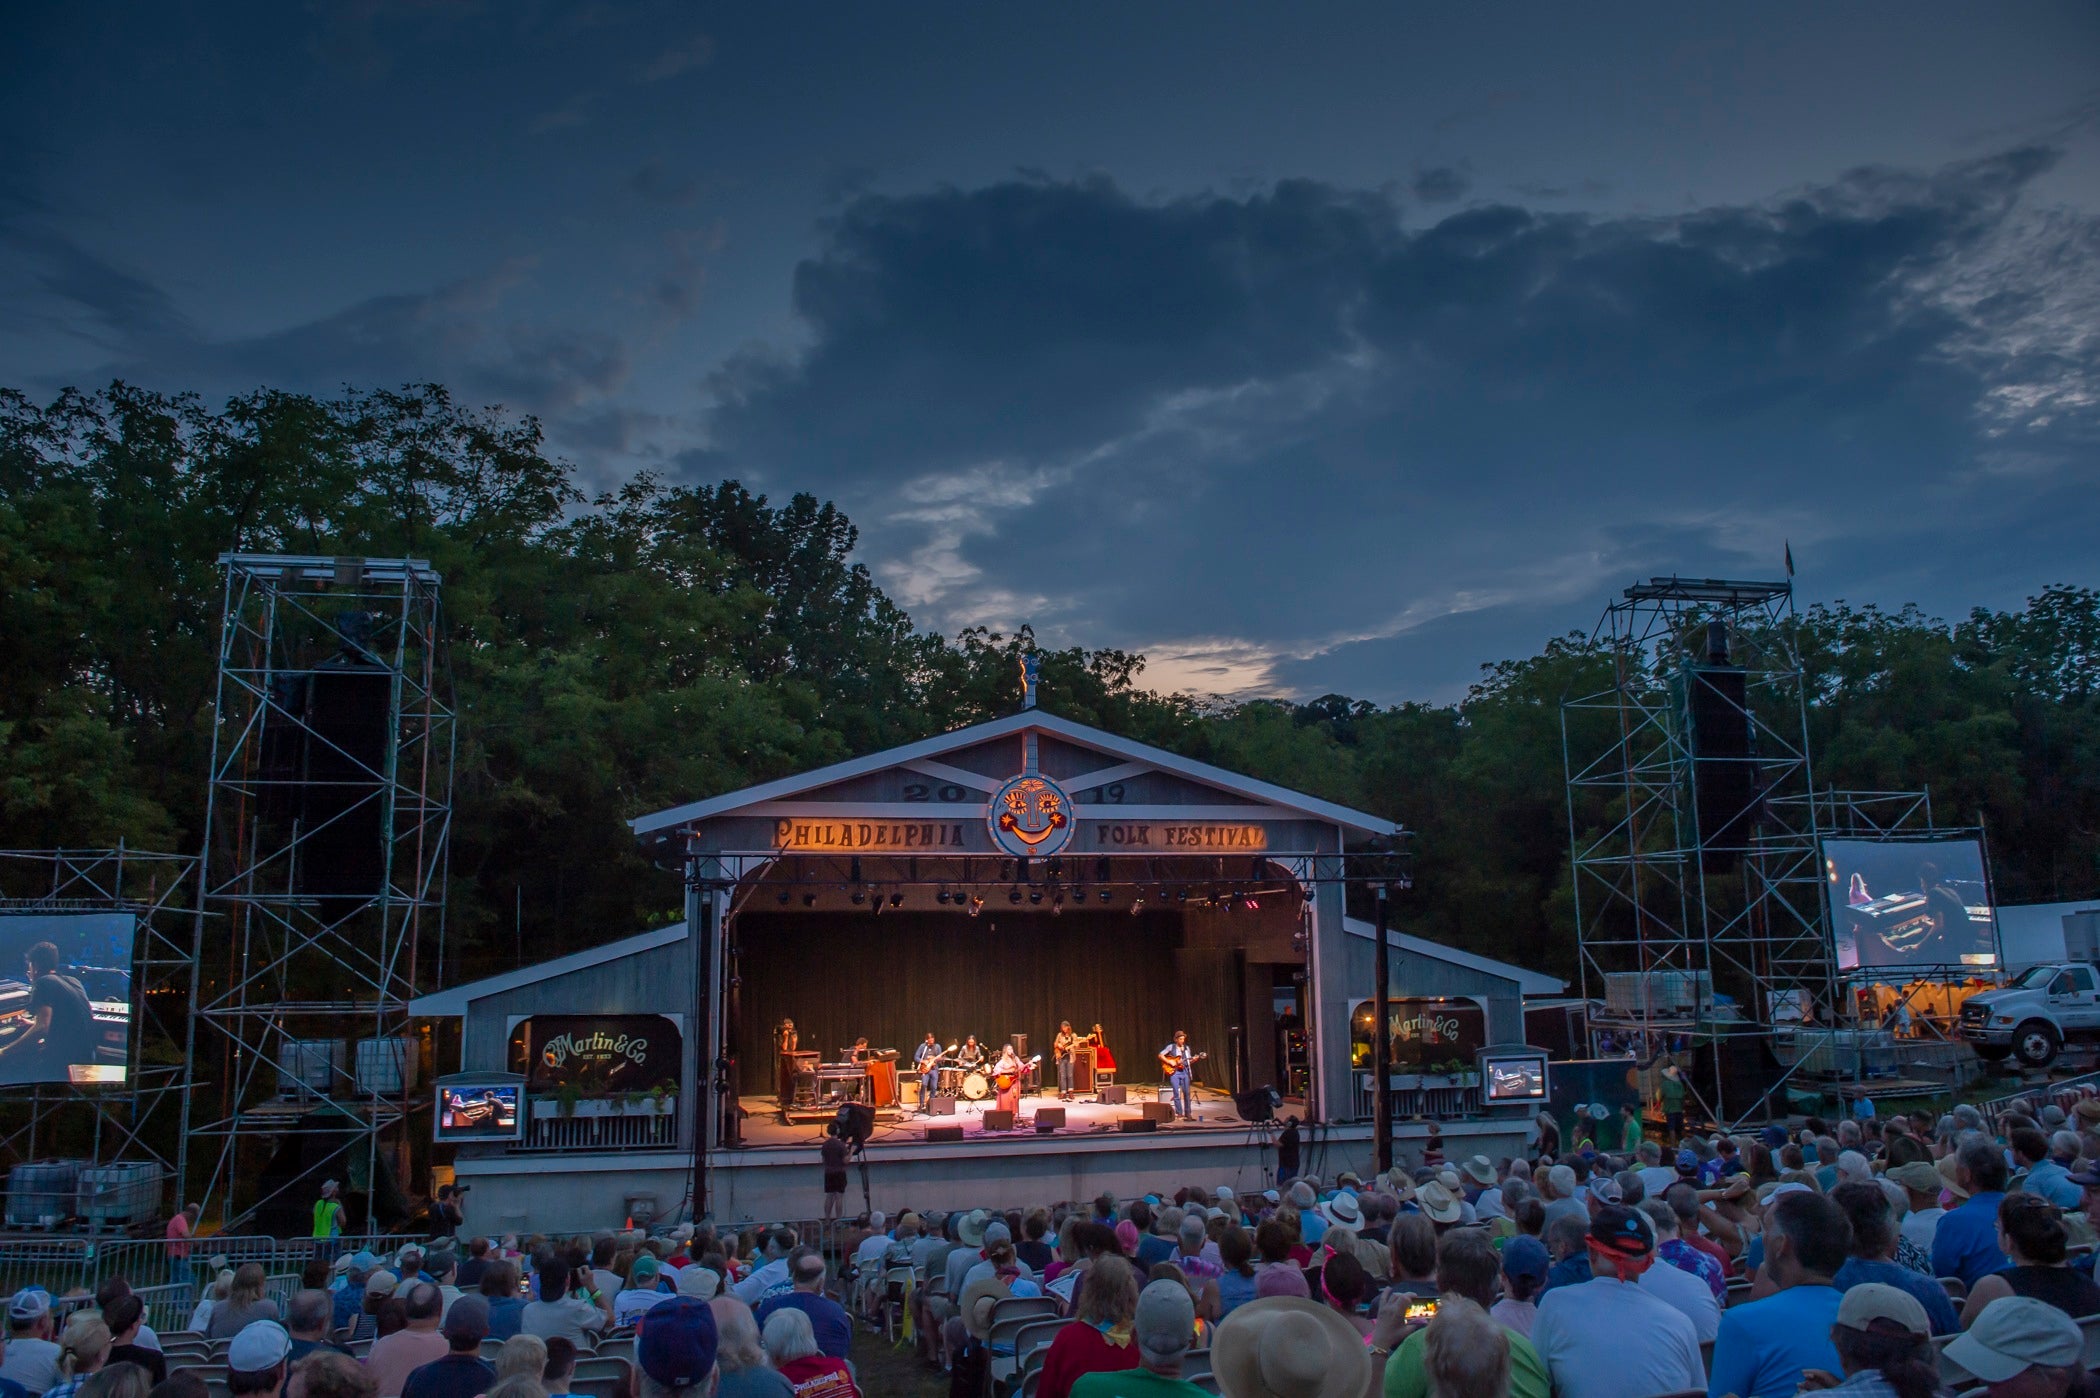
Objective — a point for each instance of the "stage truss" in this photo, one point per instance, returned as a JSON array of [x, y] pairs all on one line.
[[148, 1117], [277, 963], [1664, 920]]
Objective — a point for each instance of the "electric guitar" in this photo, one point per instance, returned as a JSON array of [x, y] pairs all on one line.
[[1003, 1081], [1168, 1062]]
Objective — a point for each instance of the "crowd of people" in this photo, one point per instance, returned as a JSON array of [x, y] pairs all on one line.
[[1875, 1258]]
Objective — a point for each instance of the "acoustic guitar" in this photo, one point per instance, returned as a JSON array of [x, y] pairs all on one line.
[[1003, 1081], [1173, 1067]]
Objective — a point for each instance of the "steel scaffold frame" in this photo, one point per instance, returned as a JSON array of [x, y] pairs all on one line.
[[1652, 897], [280, 963]]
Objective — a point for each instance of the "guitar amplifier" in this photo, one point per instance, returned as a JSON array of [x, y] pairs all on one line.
[[945, 1134], [996, 1120], [1157, 1111], [1020, 1045], [1115, 1095], [1083, 1069], [940, 1106], [1049, 1118]]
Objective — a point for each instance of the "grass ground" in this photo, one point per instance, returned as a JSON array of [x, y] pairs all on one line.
[[893, 1371]]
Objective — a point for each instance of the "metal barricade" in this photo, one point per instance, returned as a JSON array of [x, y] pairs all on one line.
[[168, 1306]]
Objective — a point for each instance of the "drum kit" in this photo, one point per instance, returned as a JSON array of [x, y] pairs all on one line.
[[968, 1084]]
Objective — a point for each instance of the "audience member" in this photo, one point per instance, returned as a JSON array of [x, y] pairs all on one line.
[[1608, 1338], [2031, 1233], [1764, 1345], [1965, 1244], [1873, 1252]]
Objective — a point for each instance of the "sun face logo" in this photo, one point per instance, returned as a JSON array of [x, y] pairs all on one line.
[[1030, 817]]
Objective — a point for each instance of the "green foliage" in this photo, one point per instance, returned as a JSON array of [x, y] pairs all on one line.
[[662, 644]]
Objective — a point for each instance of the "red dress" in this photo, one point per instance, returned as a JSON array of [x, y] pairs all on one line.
[[1080, 1348]]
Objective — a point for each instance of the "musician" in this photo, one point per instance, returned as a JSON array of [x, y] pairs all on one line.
[[860, 1052], [927, 1063], [970, 1055], [1104, 1061], [1178, 1058], [785, 1039], [1062, 1048], [1009, 1071], [785, 1042]]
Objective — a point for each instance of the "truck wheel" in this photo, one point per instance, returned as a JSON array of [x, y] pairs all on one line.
[[2036, 1042], [1993, 1053]]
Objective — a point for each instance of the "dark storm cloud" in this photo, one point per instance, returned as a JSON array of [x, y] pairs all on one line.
[[1441, 184], [1295, 412], [125, 307]]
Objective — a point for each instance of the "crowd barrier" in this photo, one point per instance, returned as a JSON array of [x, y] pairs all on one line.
[[71, 1268]]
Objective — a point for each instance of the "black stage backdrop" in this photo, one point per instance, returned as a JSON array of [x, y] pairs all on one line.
[[893, 977]]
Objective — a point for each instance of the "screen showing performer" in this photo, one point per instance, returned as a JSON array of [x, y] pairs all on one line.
[[1910, 903], [65, 997]]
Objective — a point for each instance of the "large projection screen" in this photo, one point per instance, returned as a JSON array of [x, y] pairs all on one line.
[[1896, 904], [65, 997]]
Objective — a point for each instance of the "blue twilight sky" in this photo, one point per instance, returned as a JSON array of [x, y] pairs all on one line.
[[1305, 348]]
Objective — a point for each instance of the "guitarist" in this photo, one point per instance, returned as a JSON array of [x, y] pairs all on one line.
[[1177, 1059], [1062, 1048], [928, 1063], [1006, 1074]]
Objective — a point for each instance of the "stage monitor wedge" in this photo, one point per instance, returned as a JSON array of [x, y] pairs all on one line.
[[1049, 1118], [1137, 1125], [944, 1134], [997, 1120]]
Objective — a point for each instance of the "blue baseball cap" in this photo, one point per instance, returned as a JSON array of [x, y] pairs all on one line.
[[1688, 1162], [678, 1342], [1525, 1256], [1773, 1136]]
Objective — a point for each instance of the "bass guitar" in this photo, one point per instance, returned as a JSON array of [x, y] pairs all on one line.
[[1004, 1081]]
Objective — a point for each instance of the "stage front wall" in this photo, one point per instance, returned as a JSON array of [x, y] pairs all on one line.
[[895, 977]]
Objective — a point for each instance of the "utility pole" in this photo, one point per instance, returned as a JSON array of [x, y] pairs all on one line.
[[1382, 1039]]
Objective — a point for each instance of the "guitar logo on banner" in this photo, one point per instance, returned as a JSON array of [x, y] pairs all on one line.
[[1030, 817]]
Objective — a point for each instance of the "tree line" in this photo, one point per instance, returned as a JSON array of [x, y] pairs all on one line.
[[662, 643]]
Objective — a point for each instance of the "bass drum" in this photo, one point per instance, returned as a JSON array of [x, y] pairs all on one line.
[[976, 1086]]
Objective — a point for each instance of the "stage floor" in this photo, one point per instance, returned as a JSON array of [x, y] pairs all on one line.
[[1084, 1116]]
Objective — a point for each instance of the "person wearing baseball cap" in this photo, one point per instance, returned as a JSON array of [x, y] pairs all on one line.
[[1922, 1183], [1524, 1266], [2015, 1337], [676, 1350], [255, 1359], [1764, 1345], [460, 1372], [1884, 1343], [32, 1355], [1607, 1337]]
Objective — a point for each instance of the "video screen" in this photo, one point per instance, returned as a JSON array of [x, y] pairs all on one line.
[[1910, 903], [479, 1111], [1514, 1077], [65, 997]]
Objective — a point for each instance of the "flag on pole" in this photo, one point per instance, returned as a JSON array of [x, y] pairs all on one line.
[[1790, 558]]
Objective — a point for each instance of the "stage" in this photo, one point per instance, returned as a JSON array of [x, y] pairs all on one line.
[[763, 1126]]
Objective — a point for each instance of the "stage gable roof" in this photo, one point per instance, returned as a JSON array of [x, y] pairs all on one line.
[[1527, 982], [444, 1004], [1125, 751]]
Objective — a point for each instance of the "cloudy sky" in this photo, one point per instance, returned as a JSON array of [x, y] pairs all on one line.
[[1305, 348]]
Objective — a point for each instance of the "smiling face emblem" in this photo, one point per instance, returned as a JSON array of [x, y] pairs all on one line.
[[1030, 817]]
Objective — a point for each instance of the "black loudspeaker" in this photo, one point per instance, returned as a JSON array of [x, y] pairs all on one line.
[[856, 1122], [1157, 1111], [940, 1106], [1724, 766], [1137, 1125], [1049, 1118], [1257, 1105], [1115, 1096], [944, 1133], [996, 1120], [342, 796]]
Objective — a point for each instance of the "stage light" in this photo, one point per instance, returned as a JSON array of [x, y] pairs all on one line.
[[896, 900], [860, 895], [1079, 893], [784, 896], [1137, 905], [809, 900], [1013, 895], [1252, 904], [1106, 895], [941, 897], [1035, 895], [976, 905], [878, 902]]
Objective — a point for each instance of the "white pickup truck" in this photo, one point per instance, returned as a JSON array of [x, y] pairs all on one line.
[[2035, 1014]]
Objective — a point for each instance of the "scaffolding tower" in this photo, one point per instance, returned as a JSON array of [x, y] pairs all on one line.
[[1693, 829], [322, 879]]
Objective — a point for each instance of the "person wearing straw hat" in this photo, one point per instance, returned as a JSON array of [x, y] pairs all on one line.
[[1285, 1347]]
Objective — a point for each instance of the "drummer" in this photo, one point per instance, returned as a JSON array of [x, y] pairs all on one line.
[[971, 1055], [927, 1062]]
